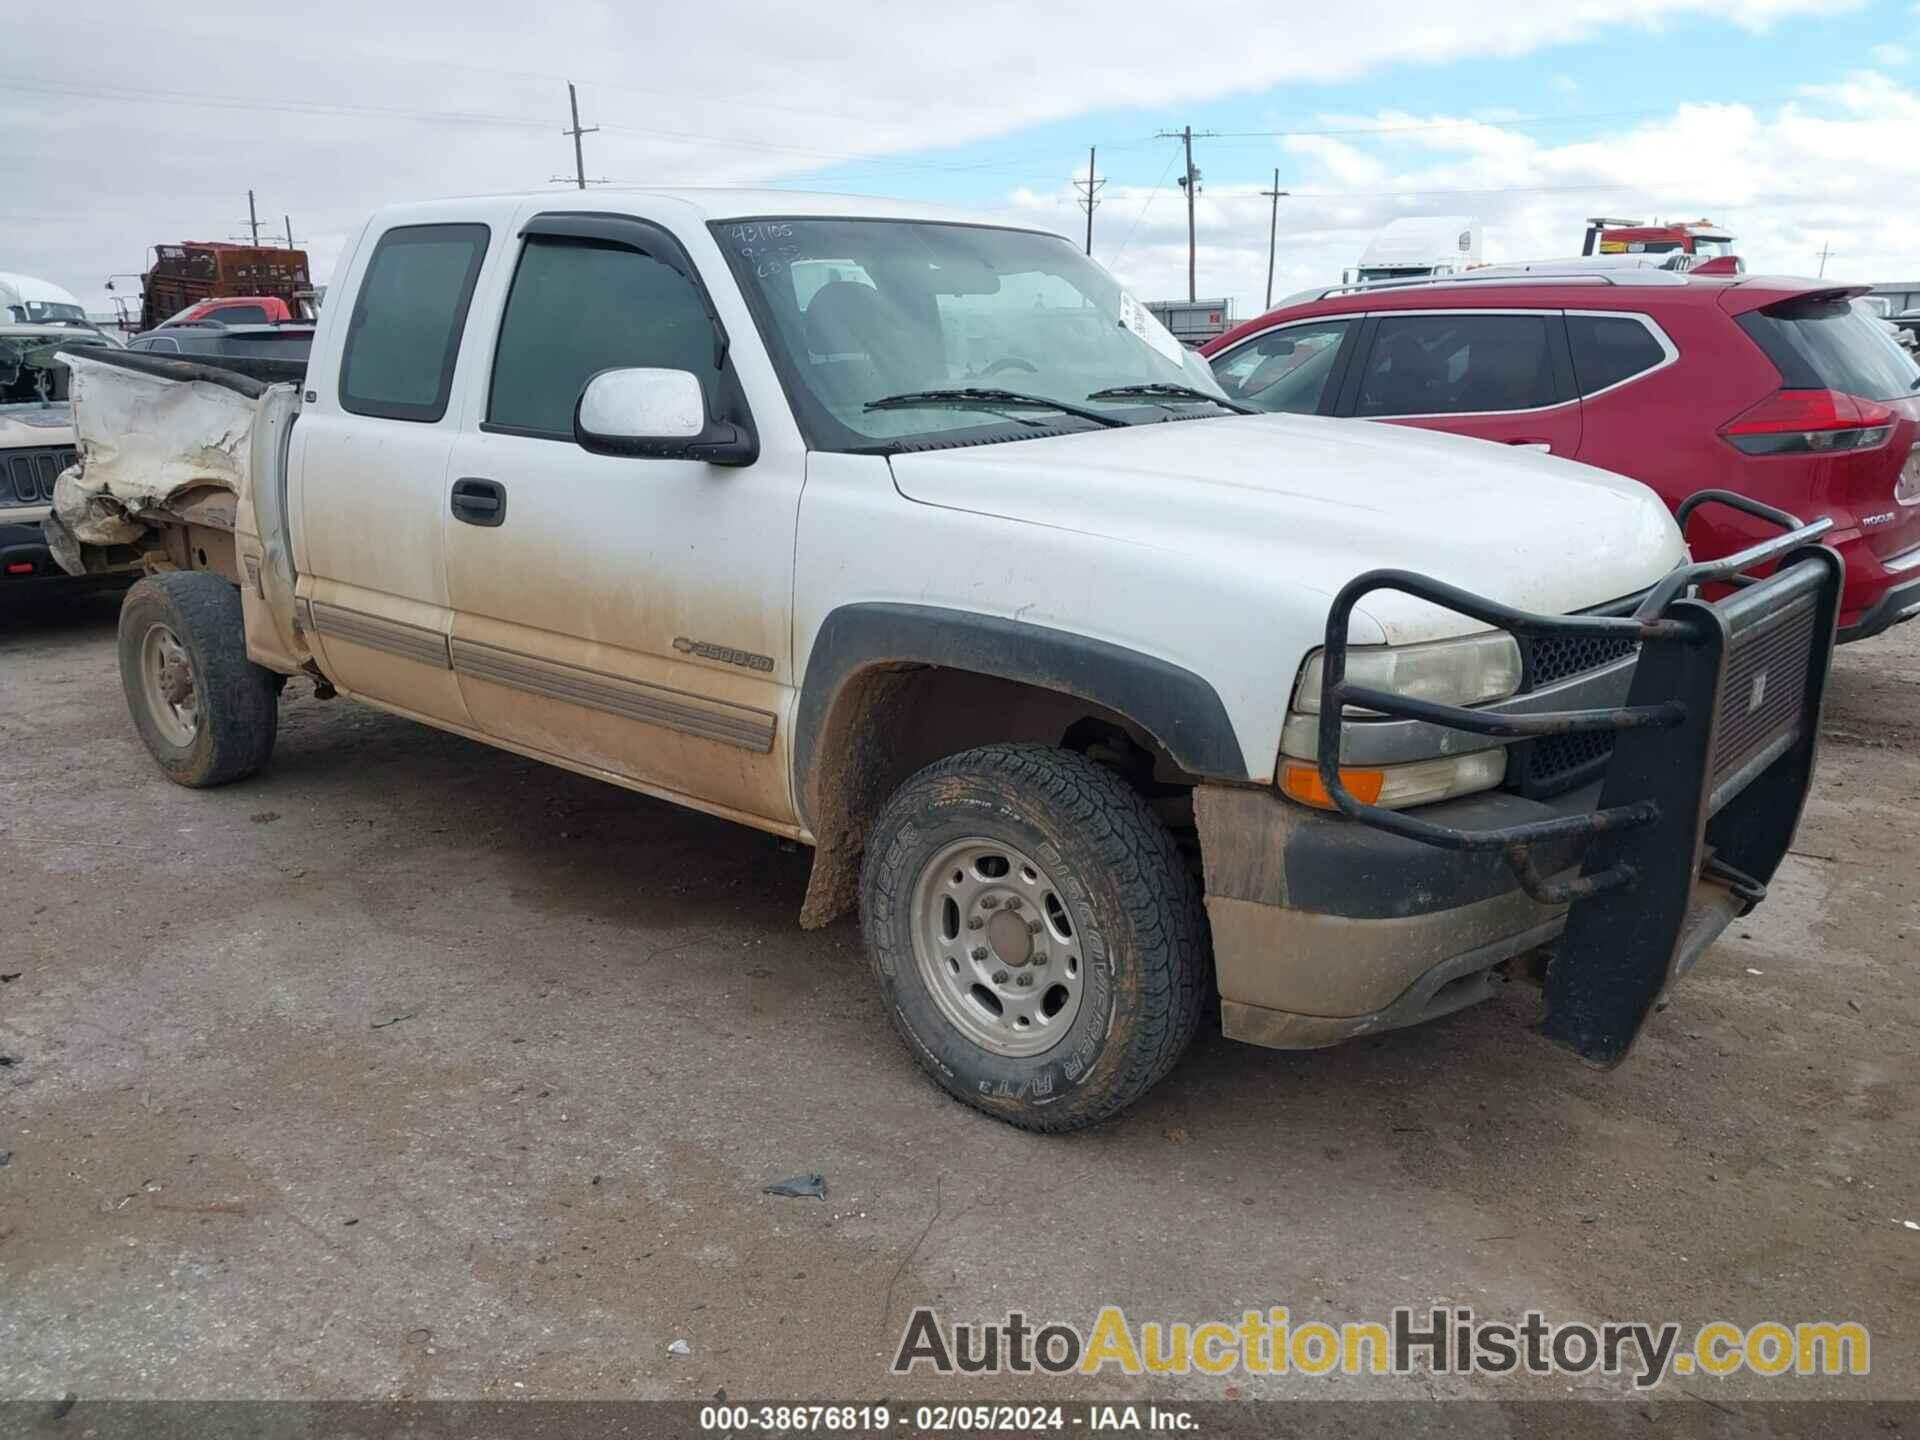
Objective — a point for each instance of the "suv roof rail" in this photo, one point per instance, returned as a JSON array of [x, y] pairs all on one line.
[[1531, 272]]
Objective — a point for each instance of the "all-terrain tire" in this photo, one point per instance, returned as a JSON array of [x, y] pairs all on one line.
[[205, 711], [1112, 906]]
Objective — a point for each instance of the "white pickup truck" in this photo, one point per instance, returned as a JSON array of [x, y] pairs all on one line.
[[917, 540]]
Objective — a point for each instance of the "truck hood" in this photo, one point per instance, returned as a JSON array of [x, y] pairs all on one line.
[[1312, 502], [31, 423]]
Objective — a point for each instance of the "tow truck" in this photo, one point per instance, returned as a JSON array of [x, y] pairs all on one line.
[[1701, 239]]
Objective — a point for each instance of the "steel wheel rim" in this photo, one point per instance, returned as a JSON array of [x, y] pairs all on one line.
[[995, 946], [167, 685]]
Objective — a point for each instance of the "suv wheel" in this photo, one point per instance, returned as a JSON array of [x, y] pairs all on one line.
[[1039, 940]]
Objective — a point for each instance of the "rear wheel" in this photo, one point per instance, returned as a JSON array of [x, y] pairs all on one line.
[[1039, 940], [206, 712]]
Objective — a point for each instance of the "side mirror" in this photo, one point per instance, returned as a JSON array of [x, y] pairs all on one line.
[[657, 415]]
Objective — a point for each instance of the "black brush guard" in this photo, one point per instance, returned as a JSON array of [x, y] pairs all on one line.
[[1713, 753]]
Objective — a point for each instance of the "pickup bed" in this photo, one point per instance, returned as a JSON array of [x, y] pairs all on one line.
[[916, 539]]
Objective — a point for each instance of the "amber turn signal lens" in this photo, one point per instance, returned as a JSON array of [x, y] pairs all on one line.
[[1300, 780]]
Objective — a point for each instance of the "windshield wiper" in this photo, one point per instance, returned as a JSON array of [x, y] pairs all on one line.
[[1159, 391], [979, 398]]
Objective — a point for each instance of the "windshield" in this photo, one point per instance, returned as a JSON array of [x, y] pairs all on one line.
[[44, 312], [856, 311], [29, 373]]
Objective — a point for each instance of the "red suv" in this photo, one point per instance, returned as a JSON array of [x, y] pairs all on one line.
[[1779, 389]]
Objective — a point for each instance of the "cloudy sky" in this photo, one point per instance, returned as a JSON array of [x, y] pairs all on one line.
[[1796, 123]]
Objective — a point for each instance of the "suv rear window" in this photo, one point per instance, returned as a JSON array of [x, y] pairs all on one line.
[[1829, 345], [1610, 348]]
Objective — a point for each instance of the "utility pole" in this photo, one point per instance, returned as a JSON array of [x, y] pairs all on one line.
[[1273, 232], [288, 219], [1089, 189], [1189, 182], [253, 218], [1825, 248], [579, 158]]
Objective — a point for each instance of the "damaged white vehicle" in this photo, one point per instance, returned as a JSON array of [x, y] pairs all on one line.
[[917, 540]]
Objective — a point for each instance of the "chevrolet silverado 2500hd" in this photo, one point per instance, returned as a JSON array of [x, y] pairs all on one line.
[[919, 541]]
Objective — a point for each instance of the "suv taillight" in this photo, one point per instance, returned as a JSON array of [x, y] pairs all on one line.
[[1809, 421]]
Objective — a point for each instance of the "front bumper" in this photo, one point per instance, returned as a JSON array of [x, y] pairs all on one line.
[[1327, 926], [1324, 930], [23, 546]]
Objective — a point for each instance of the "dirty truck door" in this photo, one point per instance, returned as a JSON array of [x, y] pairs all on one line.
[[369, 473], [627, 614]]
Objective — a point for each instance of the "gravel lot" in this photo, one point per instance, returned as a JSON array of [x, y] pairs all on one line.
[[416, 1068]]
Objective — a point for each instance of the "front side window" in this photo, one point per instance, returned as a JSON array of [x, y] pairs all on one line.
[[407, 318], [1456, 365], [1283, 370], [1608, 349], [578, 307], [859, 311]]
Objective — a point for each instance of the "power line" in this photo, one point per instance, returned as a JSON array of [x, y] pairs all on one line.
[[1158, 185], [1511, 121]]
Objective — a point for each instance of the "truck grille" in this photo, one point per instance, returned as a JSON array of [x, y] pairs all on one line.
[[1541, 768], [1553, 658], [1765, 689], [29, 474]]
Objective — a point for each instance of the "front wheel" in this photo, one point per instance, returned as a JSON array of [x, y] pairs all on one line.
[[206, 712], [1039, 940]]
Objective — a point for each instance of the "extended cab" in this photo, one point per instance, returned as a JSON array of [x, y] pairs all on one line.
[[918, 540]]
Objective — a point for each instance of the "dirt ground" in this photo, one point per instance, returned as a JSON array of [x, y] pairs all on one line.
[[416, 1068]]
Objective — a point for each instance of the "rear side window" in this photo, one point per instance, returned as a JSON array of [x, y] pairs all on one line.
[[1456, 365], [1829, 345], [407, 318], [1610, 348], [579, 307]]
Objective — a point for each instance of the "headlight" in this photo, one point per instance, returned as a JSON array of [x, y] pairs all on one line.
[[1468, 671], [1449, 672]]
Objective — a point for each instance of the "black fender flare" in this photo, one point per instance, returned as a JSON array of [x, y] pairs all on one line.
[[1177, 707]]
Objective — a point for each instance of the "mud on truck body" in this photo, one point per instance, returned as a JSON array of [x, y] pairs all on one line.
[[917, 540]]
